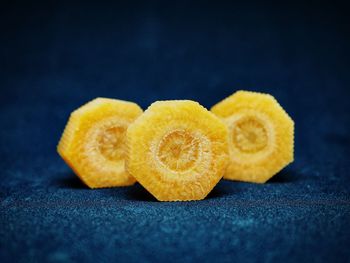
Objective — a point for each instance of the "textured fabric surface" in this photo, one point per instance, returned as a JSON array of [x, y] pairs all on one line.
[[56, 56]]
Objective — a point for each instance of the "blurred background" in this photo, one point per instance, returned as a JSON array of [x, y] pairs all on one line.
[[57, 55]]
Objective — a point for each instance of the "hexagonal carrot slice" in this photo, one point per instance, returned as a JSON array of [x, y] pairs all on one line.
[[261, 136], [93, 142], [177, 150]]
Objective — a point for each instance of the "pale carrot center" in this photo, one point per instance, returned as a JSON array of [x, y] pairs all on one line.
[[112, 143], [249, 135], [179, 150]]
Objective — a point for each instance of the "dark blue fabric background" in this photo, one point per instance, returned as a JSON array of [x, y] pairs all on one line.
[[55, 56]]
